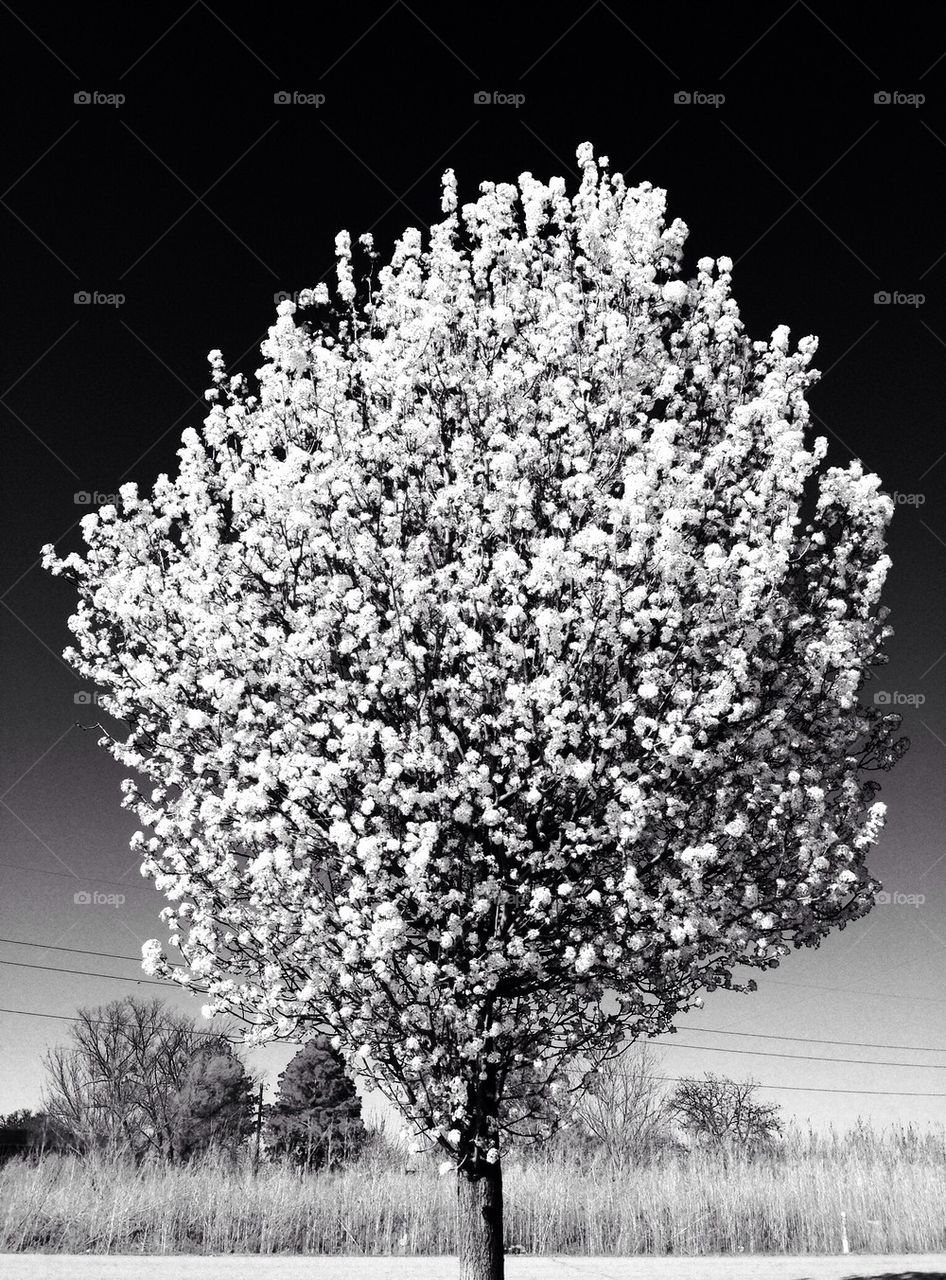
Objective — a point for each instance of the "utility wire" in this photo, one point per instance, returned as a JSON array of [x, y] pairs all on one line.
[[857, 991], [70, 875], [804, 1088], [101, 1022], [848, 1044], [86, 973], [77, 951], [802, 1057], [776, 982], [853, 1044], [792, 1088]]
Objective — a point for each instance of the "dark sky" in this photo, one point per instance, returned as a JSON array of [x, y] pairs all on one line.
[[198, 197]]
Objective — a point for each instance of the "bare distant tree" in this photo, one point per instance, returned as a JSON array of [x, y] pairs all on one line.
[[116, 1084], [622, 1107], [725, 1112]]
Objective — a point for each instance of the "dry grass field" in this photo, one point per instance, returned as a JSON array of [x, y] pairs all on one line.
[[887, 1191]]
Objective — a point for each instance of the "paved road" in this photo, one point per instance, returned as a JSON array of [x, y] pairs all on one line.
[[57, 1266]]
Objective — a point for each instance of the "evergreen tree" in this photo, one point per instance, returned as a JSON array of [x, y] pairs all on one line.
[[316, 1119], [214, 1106]]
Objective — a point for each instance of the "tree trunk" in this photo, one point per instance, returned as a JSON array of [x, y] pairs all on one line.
[[480, 1223]]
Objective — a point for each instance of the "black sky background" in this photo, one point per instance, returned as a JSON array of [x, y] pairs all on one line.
[[200, 197]]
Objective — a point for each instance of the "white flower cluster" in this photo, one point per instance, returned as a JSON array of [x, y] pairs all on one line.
[[494, 694]]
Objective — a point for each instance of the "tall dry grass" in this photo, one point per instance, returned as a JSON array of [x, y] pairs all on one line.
[[890, 1186]]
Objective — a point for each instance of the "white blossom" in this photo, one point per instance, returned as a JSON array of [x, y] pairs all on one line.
[[505, 640]]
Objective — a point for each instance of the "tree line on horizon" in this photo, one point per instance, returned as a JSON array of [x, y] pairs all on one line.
[[138, 1078]]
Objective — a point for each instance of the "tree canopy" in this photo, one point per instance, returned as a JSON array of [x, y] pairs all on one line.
[[493, 662]]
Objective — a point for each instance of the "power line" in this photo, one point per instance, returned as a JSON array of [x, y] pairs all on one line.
[[77, 951], [754, 1035], [777, 982], [803, 1057], [792, 1088], [856, 991], [761, 1035], [86, 973], [101, 1022], [71, 875], [804, 1088]]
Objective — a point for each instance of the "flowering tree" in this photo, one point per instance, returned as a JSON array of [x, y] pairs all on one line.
[[495, 663]]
